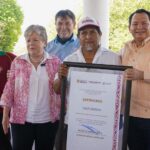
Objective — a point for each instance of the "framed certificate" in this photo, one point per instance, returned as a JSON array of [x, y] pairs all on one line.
[[94, 107]]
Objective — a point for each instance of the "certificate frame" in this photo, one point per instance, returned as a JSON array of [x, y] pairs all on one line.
[[63, 99]]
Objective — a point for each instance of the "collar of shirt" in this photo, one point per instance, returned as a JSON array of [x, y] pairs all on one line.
[[65, 40], [97, 55], [73, 38], [143, 43], [26, 57]]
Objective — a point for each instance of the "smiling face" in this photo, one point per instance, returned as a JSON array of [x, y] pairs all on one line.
[[35, 44], [140, 26], [64, 27], [89, 39]]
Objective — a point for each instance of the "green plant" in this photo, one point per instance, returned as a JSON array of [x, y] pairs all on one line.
[[11, 18]]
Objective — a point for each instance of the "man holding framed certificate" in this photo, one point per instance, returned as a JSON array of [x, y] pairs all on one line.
[[136, 53], [90, 52]]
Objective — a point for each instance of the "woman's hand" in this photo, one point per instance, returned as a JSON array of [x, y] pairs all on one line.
[[5, 120], [5, 123]]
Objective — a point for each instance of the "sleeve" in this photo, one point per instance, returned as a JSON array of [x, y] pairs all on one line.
[[121, 52], [118, 59], [11, 56], [58, 62], [147, 76], [8, 92], [147, 71], [56, 76]]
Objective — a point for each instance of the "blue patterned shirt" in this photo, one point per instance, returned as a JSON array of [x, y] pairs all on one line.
[[60, 50]]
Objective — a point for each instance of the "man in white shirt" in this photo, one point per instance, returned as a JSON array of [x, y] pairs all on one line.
[[90, 51]]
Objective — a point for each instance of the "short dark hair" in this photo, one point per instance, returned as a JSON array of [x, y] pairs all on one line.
[[139, 11], [64, 14]]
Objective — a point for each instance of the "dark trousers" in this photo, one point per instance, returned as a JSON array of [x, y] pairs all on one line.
[[139, 134], [43, 134], [4, 139]]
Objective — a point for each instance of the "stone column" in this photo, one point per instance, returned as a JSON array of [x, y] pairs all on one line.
[[99, 9]]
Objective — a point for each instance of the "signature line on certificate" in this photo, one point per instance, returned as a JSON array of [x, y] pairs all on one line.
[[91, 115]]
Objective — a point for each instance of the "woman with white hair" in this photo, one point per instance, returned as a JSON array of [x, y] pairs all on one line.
[[29, 97]]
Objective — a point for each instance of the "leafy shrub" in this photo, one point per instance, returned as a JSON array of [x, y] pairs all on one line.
[[11, 18]]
